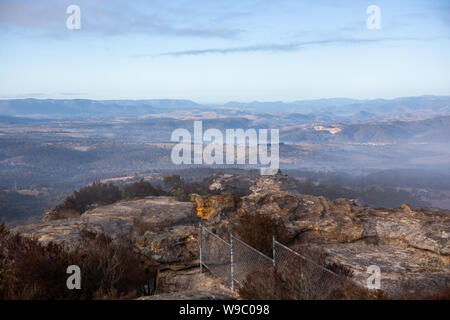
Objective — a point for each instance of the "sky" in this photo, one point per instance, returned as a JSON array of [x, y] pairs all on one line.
[[213, 51]]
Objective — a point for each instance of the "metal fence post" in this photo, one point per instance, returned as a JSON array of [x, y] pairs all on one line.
[[201, 244], [232, 261], [274, 254]]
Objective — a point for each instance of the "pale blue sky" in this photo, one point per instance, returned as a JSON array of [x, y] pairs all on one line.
[[217, 51]]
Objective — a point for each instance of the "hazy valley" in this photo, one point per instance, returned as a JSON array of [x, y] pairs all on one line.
[[50, 147]]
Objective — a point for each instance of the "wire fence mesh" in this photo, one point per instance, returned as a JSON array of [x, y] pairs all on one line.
[[215, 255], [303, 276], [247, 260], [236, 263]]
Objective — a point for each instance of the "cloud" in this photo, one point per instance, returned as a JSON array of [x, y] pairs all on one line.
[[255, 48], [23, 95], [112, 22], [48, 19], [150, 27], [288, 47], [71, 93], [444, 14], [22, 15]]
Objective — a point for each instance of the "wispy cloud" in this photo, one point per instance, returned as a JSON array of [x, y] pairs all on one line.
[[71, 93], [19, 14], [288, 47], [148, 25], [47, 19], [23, 95]]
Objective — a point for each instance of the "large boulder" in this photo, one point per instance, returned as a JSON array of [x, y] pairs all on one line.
[[173, 246], [311, 218], [191, 280], [230, 184], [274, 183], [116, 218]]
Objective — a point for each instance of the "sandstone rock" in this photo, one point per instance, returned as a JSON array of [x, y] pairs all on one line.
[[115, 218], [274, 183], [206, 206], [191, 280], [66, 230], [51, 215], [311, 218], [230, 184], [174, 246]]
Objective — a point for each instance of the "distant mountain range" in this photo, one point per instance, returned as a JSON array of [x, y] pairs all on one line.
[[90, 108], [436, 129], [337, 107], [351, 107]]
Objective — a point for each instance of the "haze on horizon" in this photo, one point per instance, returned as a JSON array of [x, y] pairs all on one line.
[[212, 52]]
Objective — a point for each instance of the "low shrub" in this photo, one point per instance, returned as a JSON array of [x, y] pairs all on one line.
[[141, 189], [258, 231], [96, 193], [110, 268], [181, 189]]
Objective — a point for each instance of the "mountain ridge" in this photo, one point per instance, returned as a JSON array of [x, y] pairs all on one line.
[[331, 106]]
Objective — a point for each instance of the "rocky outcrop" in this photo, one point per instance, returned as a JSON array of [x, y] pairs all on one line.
[[405, 244], [206, 206], [311, 218], [52, 214], [174, 246], [171, 241], [230, 184], [410, 245], [116, 218], [274, 183], [191, 280]]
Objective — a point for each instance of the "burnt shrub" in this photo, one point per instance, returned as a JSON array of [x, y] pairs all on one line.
[[413, 290], [96, 193], [110, 268], [174, 181], [181, 189], [31, 270], [141, 189], [258, 231]]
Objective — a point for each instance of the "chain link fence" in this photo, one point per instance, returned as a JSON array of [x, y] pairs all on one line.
[[312, 280], [236, 261], [215, 255], [247, 260]]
